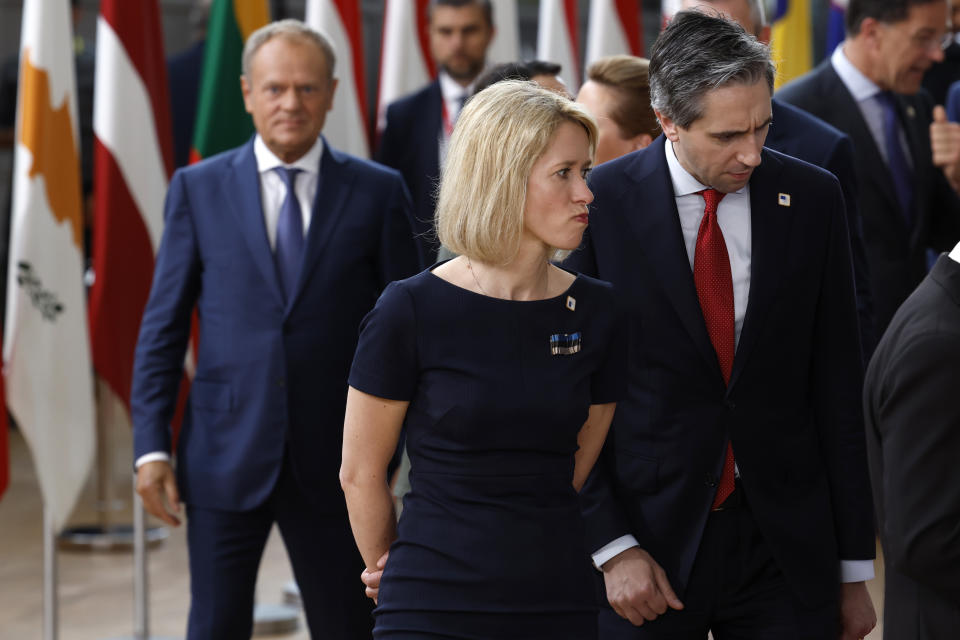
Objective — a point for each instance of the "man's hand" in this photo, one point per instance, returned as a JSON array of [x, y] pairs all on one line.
[[371, 577], [637, 587], [857, 616], [156, 482], [945, 143]]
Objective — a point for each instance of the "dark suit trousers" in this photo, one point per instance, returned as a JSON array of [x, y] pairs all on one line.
[[226, 547], [736, 591]]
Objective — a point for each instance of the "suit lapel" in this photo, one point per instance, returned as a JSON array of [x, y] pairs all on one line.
[[849, 118], [770, 228], [334, 185], [242, 192], [652, 213]]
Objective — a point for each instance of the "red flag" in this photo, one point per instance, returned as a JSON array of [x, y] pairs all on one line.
[[615, 28], [346, 125], [405, 62], [558, 39], [133, 160]]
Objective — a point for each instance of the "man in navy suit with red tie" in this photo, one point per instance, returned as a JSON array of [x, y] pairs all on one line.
[[282, 245], [732, 496]]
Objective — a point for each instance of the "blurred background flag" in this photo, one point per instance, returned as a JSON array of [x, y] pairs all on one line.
[[133, 160], [222, 121], [4, 444], [46, 349], [346, 125], [836, 32], [506, 43], [557, 39], [791, 40], [615, 28], [405, 62]]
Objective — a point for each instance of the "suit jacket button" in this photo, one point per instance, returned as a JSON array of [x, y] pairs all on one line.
[[730, 404], [711, 481]]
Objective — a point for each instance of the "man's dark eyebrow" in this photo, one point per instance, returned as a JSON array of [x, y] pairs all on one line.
[[725, 134]]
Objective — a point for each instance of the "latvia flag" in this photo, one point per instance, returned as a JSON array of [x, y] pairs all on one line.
[[133, 160]]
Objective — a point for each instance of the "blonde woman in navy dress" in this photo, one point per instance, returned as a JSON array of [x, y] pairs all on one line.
[[504, 370]]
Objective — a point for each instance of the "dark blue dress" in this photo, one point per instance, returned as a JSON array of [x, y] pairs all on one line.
[[490, 543]]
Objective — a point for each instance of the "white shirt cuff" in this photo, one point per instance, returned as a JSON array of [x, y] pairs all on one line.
[[611, 549], [856, 570], [154, 456]]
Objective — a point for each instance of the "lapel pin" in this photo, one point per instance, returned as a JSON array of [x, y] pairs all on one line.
[[571, 303], [565, 344], [911, 112], [783, 199]]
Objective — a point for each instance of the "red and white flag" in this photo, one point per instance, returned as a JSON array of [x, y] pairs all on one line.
[[133, 160], [558, 39], [46, 350], [405, 62], [506, 40], [615, 28], [346, 125]]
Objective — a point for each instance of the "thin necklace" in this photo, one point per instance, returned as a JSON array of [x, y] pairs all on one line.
[[474, 274]]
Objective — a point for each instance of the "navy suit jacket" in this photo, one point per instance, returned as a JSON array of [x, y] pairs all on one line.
[[271, 377], [410, 144], [896, 252], [797, 133], [791, 409]]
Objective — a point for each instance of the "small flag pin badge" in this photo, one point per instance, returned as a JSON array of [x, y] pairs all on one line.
[[783, 199], [571, 303]]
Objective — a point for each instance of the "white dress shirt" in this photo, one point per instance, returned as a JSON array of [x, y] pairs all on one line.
[[733, 216], [273, 191], [865, 92], [453, 96], [955, 254]]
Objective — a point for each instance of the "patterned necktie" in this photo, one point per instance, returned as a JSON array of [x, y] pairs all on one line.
[[289, 250], [896, 157], [714, 282]]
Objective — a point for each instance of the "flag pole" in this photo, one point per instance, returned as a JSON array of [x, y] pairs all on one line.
[[141, 583], [49, 576]]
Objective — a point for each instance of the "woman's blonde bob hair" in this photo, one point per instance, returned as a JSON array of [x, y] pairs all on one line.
[[500, 134]]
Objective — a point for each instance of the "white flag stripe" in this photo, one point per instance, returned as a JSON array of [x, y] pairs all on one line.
[[553, 42], [402, 67], [345, 126], [506, 43], [123, 121], [605, 33]]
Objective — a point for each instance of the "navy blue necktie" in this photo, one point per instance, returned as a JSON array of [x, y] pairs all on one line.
[[289, 249], [896, 157]]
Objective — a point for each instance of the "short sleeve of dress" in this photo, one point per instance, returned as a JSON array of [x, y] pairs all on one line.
[[609, 383], [385, 363]]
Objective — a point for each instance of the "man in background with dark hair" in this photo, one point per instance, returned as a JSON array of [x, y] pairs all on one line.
[[732, 494], [870, 89], [617, 93], [419, 125]]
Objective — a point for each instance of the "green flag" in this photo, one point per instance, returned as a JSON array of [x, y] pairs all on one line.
[[222, 122]]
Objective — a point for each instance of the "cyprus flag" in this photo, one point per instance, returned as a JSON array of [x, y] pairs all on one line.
[[46, 351]]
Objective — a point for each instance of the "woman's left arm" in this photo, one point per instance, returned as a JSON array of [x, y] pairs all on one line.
[[370, 433], [590, 441]]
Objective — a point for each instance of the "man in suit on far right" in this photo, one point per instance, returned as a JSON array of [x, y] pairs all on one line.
[[912, 413], [870, 89]]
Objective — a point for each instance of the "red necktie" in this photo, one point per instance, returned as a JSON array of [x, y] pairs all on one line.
[[711, 274]]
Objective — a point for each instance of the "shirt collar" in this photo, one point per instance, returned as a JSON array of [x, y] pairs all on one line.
[[451, 90], [955, 254], [860, 86], [684, 183], [267, 161]]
